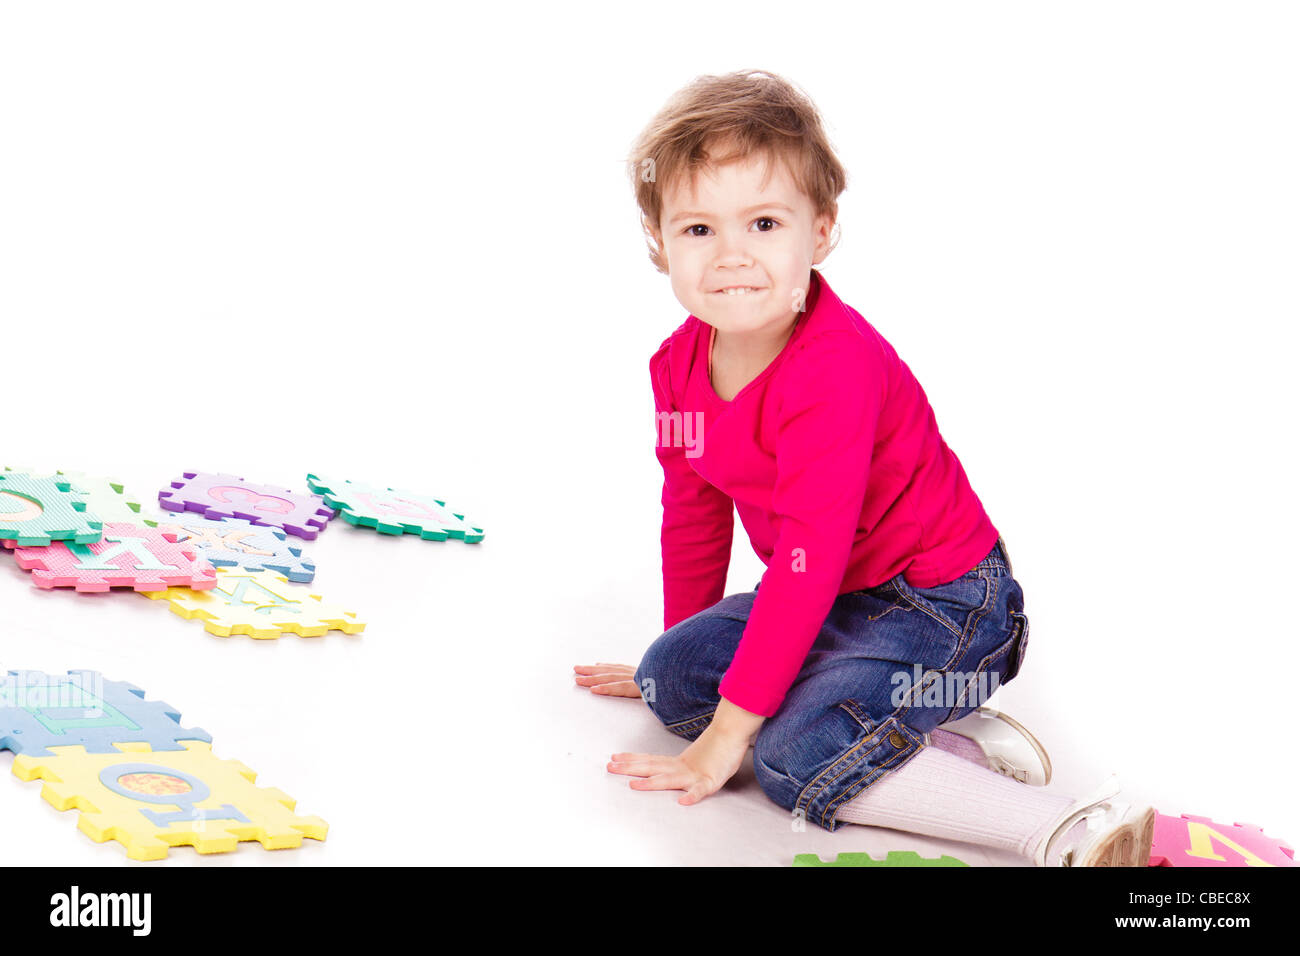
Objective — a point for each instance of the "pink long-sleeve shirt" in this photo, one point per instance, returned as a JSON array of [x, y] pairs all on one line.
[[836, 467]]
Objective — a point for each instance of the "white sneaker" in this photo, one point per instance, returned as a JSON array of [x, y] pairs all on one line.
[[1121, 836], [1113, 834], [1008, 747]]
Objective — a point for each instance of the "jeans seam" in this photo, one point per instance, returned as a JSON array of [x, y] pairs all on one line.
[[935, 615], [1004, 647], [973, 619], [805, 799], [853, 790], [846, 768], [682, 727]]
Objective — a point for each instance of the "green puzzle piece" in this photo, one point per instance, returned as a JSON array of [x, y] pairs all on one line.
[[393, 511], [892, 858], [35, 512]]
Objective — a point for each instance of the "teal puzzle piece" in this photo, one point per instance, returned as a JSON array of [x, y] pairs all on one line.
[[35, 512]]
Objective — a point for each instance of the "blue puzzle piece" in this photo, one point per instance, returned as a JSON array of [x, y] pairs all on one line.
[[234, 542], [39, 710]]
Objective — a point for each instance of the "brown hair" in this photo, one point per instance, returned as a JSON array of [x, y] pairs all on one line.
[[743, 113]]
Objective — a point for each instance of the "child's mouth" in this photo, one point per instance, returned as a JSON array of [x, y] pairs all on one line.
[[739, 291]]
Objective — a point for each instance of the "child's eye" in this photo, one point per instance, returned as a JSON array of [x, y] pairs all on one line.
[[772, 224]]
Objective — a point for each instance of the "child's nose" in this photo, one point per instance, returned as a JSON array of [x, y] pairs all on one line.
[[732, 249]]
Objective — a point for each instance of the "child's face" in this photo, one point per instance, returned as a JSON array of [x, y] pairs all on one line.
[[728, 228]]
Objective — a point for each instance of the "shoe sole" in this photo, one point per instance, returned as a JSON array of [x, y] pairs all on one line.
[[1128, 845], [1032, 741]]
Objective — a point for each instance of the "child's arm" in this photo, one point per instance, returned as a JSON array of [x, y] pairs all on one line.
[[834, 389], [826, 433], [695, 538]]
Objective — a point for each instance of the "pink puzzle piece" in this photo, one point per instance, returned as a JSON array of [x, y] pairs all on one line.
[[128, 555], [1199, 841], [225, 496]]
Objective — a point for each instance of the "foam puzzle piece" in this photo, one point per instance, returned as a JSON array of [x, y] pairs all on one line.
[[225, 496], [108, 500], [261, 604], [1198, 841], [391, 511], [150, 801], [80, 708], [37, 511], [234, 542], [129, 555], [892, 858]]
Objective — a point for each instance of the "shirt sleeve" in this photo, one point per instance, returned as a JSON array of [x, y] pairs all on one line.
[[833, 390], [697, 523]]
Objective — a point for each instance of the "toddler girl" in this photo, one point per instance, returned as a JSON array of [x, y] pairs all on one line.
[[888, 607]]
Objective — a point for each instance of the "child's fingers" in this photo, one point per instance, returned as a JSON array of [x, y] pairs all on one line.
[[624, 688], [673, 780], [623, 670], [640, 765], [587, 680]]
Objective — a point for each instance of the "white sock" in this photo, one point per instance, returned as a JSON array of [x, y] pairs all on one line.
[[940, 795]]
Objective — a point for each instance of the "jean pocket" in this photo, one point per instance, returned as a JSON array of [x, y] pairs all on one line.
[[952, 603]]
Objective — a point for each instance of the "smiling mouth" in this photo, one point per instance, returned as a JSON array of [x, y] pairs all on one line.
[[739, 290]]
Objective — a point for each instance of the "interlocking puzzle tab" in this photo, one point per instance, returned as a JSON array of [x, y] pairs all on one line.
[[1198, 841], [892, 858], [80, 708], [260, 604], [150, 801], [128, 555], [37, 511], [391, 511], [225, 496], [233, 542]]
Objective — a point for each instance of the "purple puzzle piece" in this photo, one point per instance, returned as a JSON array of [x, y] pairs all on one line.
[[225, 496]]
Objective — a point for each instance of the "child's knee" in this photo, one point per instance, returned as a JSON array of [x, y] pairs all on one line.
[[780, 787]]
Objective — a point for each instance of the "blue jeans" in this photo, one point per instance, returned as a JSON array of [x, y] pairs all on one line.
[[889, 665]]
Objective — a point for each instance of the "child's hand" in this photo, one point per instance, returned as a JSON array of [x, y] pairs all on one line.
[[612, 680], [701, 769]]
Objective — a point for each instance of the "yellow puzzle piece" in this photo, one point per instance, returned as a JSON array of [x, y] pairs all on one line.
[[261, 604], [151, 800]]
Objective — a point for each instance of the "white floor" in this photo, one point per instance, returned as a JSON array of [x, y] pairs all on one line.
[[450, 730], [355, 248]]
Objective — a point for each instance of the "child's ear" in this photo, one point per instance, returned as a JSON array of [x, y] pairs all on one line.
[[824, 237]]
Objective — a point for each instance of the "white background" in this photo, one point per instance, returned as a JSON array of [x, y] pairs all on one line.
[[395, 242]]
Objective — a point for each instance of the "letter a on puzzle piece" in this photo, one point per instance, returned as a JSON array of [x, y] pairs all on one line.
[[37, 511], [390, 511], [150, 801], [128, 556], [1199, 841], [261, 604], [80, 708], [225, 496], [233, 542]]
